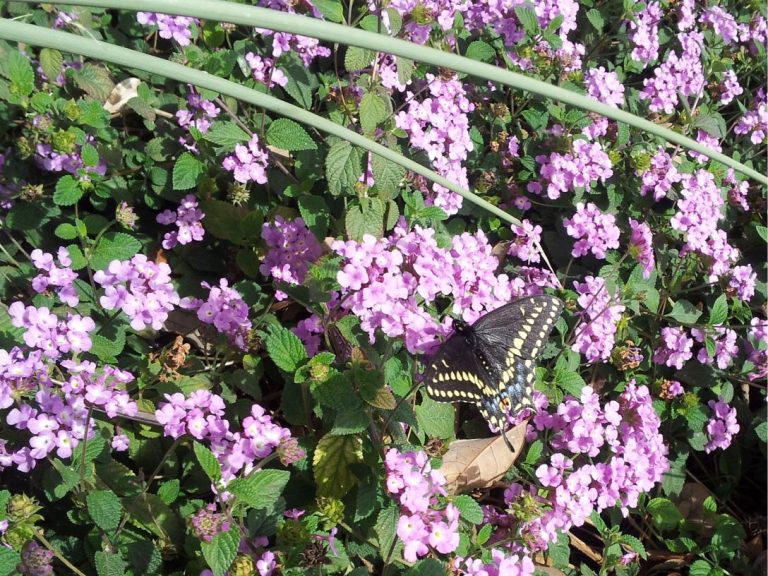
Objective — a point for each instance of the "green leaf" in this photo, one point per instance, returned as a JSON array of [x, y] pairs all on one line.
[[635, 544], [79, 261], [260, 489], [220, 552], [299, 85], [762, 231], [700, 568], [226, 134], [105, 349], [343, 167], [68, 191], [330, 9], [105, 509], [314, 212], [528, 19], [367, 217], [535, 450], [66, 231], [285, 349], [387, 175], [95, 80], [762, 431], [358, 58], [571, 382], [109, 564], [114, 246], [332, 462], [718, 314], [9, 559], [386, 529], [435, 418], [469, 509], [373, 110], [289, 135], [405, 67], [18, 70], [222, 220], [187, 171], [596, 19], [52, 63], [484, 534], [684, 312], [664, 513], [208, 462], [479, 50]]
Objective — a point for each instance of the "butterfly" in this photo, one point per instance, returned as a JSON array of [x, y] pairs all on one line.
[[491, 363]]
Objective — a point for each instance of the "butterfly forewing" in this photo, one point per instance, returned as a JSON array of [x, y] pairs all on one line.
[[453, 375]]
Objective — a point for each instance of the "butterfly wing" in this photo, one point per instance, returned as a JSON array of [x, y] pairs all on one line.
[[453, 374]]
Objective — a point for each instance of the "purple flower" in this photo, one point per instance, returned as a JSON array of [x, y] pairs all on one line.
[[176, 27], [644, 33], [641, 246], [524, 247], [226, 310], [604, 86], [596, 333], [677, 76], [61, 277], [292, 248], [187, 219], [675, 347], [660, 177], [755, 121], [595, 231], [743, 281], [44, 330], [564, 172], [709, 141], [249, 162], [722, 426], [725, 346], [265, 71], [730, 87]]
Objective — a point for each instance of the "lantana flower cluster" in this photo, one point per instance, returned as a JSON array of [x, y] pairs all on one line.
[[61, 277], [140, 288], [602, 456], [561, 173], [292, 248], [249, 162], [722, 426], [169, 27], [47, 332], [594, 230], [225, 309], [187, 219], [424, 523], [601, 312]]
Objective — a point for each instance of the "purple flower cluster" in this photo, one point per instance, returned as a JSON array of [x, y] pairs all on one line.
[[596, 333], [709, 141], [722, 427], [603, 456], [387, 282], [660, 177], [52, 161], [224, 309], [698, 213], [249, 162], [208, 522], [524, 247], [140, 288], [677, 76], [35, 560], [187, 218], [176, 27], [562, 173], [730, 87], [62, 278], [45, 331], [738, 191], [103, 387], [594, 231], [292, 248], [756, 348], [725, 346], [201, 415], [675, 348], [641, 246], [501, 564], [307, 48], [199, 113], [439, 125], [423, 523], [644, 33], [264, 70], [604, 86], [309, 330], [755, 121]]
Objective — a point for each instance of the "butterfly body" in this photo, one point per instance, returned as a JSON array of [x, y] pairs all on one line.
[[491, 364]]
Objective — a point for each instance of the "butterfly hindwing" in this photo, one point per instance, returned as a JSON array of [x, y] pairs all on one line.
[[453, 375]]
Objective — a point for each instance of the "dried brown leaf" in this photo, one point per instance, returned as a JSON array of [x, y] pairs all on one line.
[[121, 93], [481, 463]]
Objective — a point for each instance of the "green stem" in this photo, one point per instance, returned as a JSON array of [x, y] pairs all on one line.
[[221, 11]]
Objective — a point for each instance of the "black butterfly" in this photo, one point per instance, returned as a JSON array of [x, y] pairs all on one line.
[[491, 364]]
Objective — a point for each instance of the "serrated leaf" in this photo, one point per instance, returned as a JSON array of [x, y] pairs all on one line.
[[343, 167], [52, 63], [528, 19], [226, 134], [109, 564], [367, 217], [684, 312], [664, 513], [596, 19], [220, 552], [479, 50], [17, 68], [386, 528], [95, 80], [105, 509], [314, 212], [208, 462], [387, 175], [114, 246], [299, 85], [762, 231], [635, 544], [718, 314], [107, 349], [289, 135], [285, 349], [435, 418], [334, 455], [700, 568], [534, 452], [9, 559], [358, 58], [405, 67], [468, 508], [260, 489], [79, 261], [373, 110], [187, 171], [331, 10], [68, 191], [66, 231], [383, 399], [571, 382], [762, 431]]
